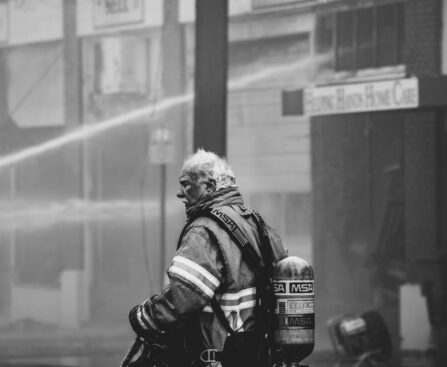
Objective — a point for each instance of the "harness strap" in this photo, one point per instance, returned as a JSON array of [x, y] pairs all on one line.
[[248, 252], [219, 216], [224, 220], [210, 356]]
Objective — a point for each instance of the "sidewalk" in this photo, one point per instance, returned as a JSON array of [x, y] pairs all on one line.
[[52, 342], [102, 346]]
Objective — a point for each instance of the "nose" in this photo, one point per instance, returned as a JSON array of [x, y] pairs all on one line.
[[180, 194]]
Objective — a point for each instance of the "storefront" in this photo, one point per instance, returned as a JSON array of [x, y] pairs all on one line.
[[125, 63], [379, 168], [34, 253]]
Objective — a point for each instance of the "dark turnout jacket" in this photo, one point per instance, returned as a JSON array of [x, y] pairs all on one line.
[[207, 264]]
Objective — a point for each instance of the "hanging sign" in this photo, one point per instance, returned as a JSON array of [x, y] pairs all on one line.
[[161, 148], [115, 12]]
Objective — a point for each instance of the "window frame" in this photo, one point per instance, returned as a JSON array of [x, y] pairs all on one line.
[[122, 92], [336, 64]]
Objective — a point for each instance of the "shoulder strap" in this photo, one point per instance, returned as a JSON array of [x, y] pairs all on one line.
[[225, 221], [229, 225]]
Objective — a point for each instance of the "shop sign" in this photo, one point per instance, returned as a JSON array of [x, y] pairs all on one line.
[[4, 22], [161, 147], [362, 97], [116, 12]]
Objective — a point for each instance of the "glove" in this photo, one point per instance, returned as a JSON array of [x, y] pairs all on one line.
[[138, 325]]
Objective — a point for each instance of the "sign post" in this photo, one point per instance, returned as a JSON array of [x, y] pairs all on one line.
[[161, 152]]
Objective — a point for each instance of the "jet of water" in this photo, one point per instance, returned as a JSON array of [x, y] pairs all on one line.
[[91, 130]]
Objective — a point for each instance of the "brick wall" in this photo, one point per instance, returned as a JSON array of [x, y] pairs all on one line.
[[420, 192], [423, 26], [348, 206], [423, 57]]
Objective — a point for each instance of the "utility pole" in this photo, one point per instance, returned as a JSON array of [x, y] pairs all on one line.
[[211, 71]]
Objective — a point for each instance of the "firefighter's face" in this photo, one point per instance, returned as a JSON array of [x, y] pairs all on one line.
[[191, 189]]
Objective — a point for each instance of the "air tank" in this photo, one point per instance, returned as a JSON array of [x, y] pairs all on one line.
[[294, 334]]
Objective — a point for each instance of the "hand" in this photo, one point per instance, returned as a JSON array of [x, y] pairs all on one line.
[[140, 327]]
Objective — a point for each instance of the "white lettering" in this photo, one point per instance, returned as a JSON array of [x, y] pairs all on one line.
[[404, 96], [373, 96], [318, 104], [340, 99], [354, 101]]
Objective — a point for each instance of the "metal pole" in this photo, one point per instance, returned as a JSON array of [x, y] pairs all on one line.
[[162, 223]]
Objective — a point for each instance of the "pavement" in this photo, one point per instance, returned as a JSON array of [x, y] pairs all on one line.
[[102, 346]]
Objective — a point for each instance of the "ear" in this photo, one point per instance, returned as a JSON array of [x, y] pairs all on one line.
[[211, 185]]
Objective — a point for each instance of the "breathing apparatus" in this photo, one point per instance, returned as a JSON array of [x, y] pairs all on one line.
[[293, 287]]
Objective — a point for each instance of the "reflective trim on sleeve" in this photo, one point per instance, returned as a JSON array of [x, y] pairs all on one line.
[[194, 273], [192, 279], [200, 269]]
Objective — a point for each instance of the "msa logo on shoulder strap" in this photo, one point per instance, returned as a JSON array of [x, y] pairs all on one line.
[[230, 226]]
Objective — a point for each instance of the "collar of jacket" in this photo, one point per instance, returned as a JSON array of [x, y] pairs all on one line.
[[222, 197]]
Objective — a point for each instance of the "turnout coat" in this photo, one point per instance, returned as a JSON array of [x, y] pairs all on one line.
[[209, 264]]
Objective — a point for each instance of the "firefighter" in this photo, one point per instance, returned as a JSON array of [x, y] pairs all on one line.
[[207, 264]]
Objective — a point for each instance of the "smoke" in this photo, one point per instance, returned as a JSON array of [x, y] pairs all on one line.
[[30, 215]]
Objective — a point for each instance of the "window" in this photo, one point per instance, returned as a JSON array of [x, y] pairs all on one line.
[[325, 40], [121, 65], [345, 52], [364, 38], [389, 34], [35, 74]]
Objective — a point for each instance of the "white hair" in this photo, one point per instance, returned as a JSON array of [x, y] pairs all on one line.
[[204, 166]]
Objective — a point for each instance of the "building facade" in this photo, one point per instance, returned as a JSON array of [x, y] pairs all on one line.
[[378, 135], [270, 48], [38, 103], [102, 217], [82, 234]]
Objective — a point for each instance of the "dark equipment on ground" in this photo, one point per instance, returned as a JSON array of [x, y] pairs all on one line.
[[360, 340], [159, 353]]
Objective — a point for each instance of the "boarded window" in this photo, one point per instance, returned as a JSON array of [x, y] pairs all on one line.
[[36, 79], [121, 65]]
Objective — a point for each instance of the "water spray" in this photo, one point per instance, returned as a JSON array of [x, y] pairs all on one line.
[[44, 214], [92, 130]]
